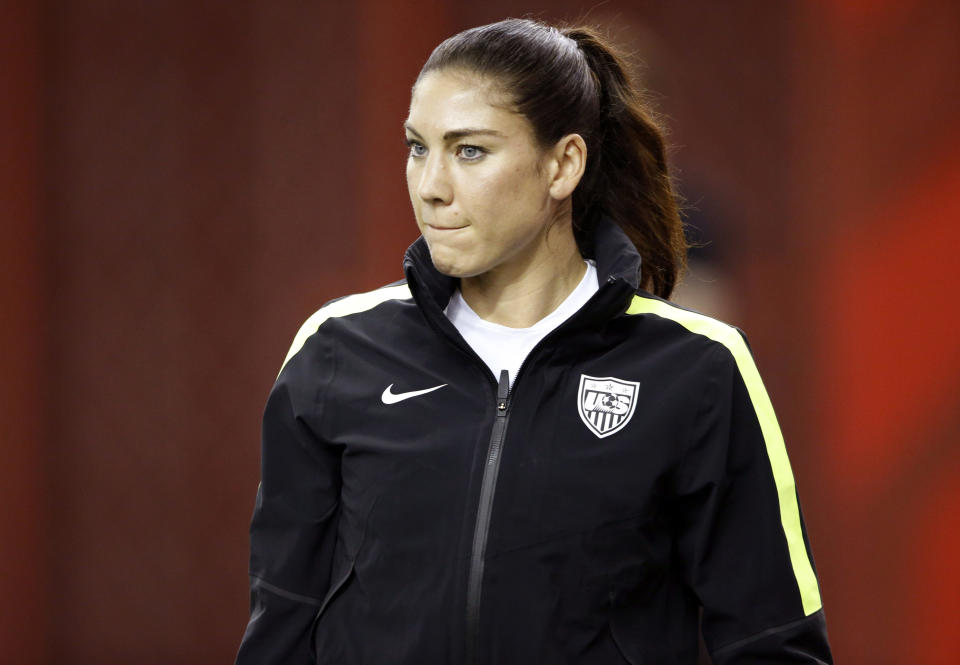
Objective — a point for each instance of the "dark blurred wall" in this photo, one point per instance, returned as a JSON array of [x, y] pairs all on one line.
[[24, 566], [184, 182], [877, 160]]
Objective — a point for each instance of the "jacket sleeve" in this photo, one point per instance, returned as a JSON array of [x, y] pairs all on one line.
[[293, 531], [741, 537]]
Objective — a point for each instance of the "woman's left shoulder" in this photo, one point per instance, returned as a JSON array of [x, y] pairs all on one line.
[[689, 322]]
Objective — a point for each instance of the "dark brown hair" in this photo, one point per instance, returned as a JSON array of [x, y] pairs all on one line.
[[573, 80]]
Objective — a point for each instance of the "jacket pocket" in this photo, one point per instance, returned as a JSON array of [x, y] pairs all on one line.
[[332, 594]]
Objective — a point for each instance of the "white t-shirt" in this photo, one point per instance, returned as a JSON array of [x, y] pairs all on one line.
[[502, 347]]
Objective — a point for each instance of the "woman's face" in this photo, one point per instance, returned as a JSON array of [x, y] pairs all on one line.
[[475, 177]]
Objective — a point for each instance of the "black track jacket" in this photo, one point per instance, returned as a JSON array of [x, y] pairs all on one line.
[[413, 511]]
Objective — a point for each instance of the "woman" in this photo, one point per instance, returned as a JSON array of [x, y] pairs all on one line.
[[522, 453]]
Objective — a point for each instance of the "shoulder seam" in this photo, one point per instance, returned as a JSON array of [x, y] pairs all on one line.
[[693, 321], [353, 304]]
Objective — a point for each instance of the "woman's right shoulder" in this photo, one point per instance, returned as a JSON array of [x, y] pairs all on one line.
[[346, 306]]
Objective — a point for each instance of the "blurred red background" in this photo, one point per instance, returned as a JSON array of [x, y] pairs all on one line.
[[184, 182]]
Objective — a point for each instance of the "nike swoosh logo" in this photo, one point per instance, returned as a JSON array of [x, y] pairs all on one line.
[[389, 397]]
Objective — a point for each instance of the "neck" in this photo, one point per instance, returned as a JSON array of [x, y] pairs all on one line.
[[522, 291]]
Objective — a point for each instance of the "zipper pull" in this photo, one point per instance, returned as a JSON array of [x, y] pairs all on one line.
[[503, 392]]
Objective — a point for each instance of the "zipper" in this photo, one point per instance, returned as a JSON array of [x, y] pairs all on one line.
[[482, 528], [490, 471]]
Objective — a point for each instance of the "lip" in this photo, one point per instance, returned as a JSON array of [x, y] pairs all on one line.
[[445, 228]]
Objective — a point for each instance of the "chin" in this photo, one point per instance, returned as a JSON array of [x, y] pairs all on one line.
[[444, 260], [448, 268], [451, 266]]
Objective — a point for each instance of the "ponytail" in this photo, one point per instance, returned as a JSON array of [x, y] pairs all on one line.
[[629, 180], [572, 80]]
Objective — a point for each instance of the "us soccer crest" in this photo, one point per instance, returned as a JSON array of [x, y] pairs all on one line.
[[606, 404]]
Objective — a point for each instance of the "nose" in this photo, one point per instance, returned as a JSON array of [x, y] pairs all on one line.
[[434, 186]]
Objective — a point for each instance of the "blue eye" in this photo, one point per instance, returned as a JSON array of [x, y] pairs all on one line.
[[470, 153], [417, 149]]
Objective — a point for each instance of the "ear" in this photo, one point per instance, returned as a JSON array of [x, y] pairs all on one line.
[[568, 162]]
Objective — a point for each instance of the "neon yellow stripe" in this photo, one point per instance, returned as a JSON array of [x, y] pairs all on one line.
[[776, 450], [360, 302]]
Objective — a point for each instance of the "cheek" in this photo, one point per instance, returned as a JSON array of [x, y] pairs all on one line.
[[411, 178], [507, 188], [521, 191]]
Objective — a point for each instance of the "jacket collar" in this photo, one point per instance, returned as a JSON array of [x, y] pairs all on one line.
[[617, 261]]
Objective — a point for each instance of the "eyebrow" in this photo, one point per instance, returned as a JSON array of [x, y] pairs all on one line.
[[454, 134]]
